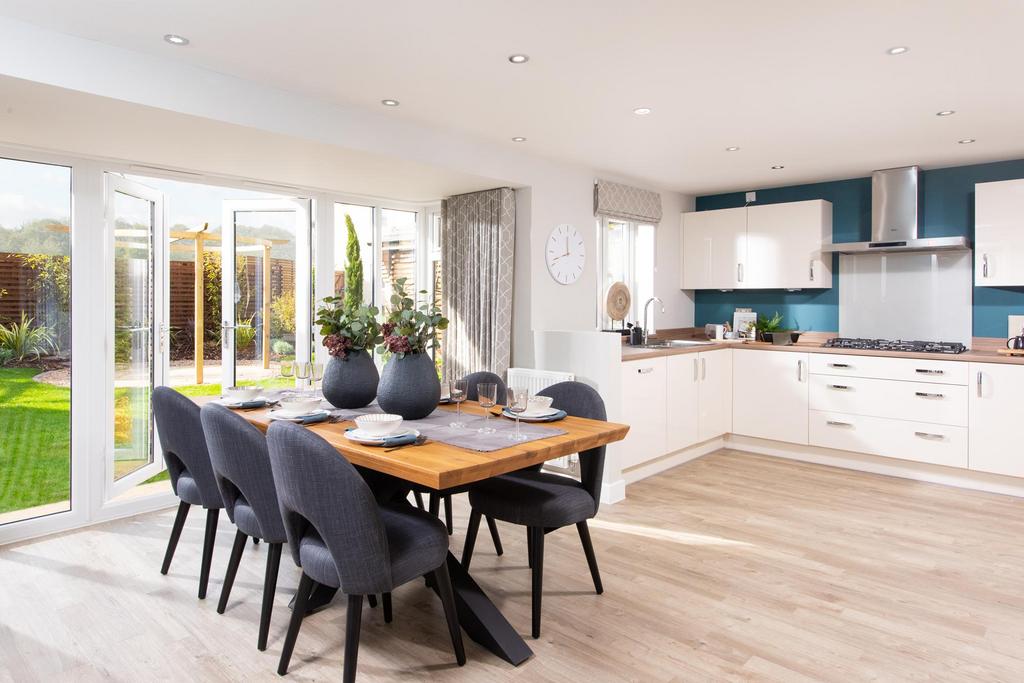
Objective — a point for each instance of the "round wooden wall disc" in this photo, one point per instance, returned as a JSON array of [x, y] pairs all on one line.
[[618, 301]]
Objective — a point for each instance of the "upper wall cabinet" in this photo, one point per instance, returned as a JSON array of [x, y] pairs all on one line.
[[768, 246], [999, 234]]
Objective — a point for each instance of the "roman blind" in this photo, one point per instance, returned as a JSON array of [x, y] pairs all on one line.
[[626, 202]]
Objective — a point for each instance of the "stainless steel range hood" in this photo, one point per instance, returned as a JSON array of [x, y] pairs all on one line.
[[894, 218]]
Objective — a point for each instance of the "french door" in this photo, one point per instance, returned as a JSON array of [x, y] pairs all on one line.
[[137, 321], [267, 275]]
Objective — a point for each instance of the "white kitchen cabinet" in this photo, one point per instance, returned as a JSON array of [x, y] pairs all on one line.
[[996, 400], [714, 249], [770, 395], [643, 409], [784, 245], [935, 444], [715, 399], [682, 403], [999, 234]]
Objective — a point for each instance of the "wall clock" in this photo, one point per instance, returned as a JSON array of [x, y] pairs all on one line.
[[565, 254]]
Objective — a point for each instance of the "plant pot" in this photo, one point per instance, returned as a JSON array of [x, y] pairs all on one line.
[[409, 386], [351, 382], [780, 338]]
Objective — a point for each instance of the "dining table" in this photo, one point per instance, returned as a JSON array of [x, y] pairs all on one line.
[[439, 465]]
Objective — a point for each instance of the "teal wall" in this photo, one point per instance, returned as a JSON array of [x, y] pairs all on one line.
[[946, 209]]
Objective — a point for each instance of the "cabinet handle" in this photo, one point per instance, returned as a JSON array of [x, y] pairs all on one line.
[[925, 394], [979, 384], [837, 423], [838, 365], [703, 368], [812, 270], [984, 265], [930, 436], [739, 272], [925, 371], [645, 371], [694, 369], [839, 387], [799, 371]]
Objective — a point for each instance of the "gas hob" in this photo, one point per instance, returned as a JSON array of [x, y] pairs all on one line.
[[899, 345]]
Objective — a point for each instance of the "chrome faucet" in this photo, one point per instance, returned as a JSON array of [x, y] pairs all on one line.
[[646, 306]]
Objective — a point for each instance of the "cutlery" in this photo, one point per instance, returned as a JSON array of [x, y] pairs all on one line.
[[420, 440]]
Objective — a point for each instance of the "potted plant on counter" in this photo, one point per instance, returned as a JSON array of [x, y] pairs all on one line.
[[409, 385], [770, 330]]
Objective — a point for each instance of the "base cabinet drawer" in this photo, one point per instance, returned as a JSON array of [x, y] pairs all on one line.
[[918, 441], [915, 401], [878, 367]]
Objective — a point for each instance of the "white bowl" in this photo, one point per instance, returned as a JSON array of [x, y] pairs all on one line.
[[539, 403], [379, 424], [242, 393], [299, 405]]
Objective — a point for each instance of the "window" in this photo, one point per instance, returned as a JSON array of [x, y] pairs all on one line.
[[627, 256], [398, 248], [362, 221]]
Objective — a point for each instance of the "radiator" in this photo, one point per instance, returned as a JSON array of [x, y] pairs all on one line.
[[533, 381]]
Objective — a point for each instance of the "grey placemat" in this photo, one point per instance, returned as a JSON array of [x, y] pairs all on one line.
[[436, 427]]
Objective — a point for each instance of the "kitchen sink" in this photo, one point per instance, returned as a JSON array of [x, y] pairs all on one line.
[[674, 344]]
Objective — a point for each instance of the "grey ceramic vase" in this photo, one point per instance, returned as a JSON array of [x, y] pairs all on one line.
[[351, 382], [409, 386]]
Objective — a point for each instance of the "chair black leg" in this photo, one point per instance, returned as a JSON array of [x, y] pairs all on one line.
[[444, 590], [588, 549], [538, 576], [372, 599], [208, 543], [269, 588], [172, 542], [306, 586], [229, 576], [448, 514], [353, 621], [387, 607], [419, 500], [471, 531], [495, 538]]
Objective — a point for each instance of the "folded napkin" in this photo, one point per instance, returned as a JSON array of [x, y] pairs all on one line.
[[555, 417], [392, 441], [307, 420], [255, 403]]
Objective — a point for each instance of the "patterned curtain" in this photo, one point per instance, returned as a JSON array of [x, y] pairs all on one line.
[[626, 202], [477, 249]]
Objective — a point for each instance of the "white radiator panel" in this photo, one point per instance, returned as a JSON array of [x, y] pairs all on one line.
[[534, 381]]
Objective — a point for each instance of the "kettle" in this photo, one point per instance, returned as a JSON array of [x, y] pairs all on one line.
[[1015, 342]]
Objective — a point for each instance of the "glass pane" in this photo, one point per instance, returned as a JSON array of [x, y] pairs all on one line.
[[616, 259], [35, 342], [133, 333], [398, 252], [264, 294], [362, 219], [644, 267]]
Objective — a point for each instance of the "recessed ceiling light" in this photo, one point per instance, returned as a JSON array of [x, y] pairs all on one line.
[[642, 111], [945, 112], [175, 39], [518, 138], [732, 149], [966, 141], [778, 167], [389, 103], [519, 59], [898, 50]]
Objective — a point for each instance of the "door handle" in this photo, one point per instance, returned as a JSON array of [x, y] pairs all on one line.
[[925, 394], [838, 365], [812, 270], [739, 272], [694, 369], [645, 371], [839, 387], [984, 265], [837, 423], [925, 371], [979, 384], [799, 371], [703, 368], [930, 436]]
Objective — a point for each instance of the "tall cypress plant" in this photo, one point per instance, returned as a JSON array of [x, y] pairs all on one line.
[[354, 269]]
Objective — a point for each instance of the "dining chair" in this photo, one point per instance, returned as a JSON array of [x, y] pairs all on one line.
[[241, 468], [544, 502], [188, 463], [436, 498], [342, 538]]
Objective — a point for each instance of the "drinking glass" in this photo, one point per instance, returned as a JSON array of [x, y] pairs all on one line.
[[457, 391], [317, 373], [287, 368], [303, 371], [515, 403], [487, 396]]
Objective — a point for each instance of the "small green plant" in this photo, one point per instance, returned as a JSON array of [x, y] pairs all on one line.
[[245, 333], [23, 340], [346, 330], [773, 324], [408, 329], [282, 348]]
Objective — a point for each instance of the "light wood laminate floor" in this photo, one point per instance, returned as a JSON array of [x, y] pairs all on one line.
[[731, 567]]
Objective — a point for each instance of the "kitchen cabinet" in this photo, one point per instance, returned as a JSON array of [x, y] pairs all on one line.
[[643, 409], [996, 397], [770, 395], [769, 246], [699, 398], [935, 444], [999, 234], [714, 249], [715, 417], [784, 245]]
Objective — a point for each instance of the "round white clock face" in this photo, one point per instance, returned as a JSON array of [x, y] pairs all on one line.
[[565, 254]]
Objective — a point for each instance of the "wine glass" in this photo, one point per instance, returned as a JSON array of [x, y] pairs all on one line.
[[487, 397], [457, 390], [515, 403], [303, 371]]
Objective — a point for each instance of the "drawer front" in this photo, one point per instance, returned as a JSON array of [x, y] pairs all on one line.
[[643, 409], [877, 367], [915, 401], [916, 441]]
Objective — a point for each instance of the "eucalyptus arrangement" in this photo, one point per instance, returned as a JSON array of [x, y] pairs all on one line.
[[345, 330], [408, 329]]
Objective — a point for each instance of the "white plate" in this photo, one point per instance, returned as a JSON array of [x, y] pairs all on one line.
[[281, 414], [533, 416], [359, 436], [232, 403]]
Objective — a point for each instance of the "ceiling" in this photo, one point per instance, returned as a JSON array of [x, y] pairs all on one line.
[[805, 85]]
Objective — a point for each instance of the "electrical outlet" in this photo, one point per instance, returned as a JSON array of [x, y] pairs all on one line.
[[751, 197], [1015, 326]]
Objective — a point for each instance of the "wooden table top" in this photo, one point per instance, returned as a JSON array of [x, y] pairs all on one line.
[[440, 465]]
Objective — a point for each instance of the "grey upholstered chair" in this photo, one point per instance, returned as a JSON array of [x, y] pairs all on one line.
[[341, 537], [241, 468], [437, 497], [188, 464], [544, 502]]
